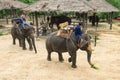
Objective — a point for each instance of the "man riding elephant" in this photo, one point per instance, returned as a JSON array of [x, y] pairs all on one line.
[[59, 44], [23, 24], [78, 33], [21, 34]]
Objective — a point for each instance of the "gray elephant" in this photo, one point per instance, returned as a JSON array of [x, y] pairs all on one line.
[[29, 35], [22, 34], [16, 34], [59, 44]]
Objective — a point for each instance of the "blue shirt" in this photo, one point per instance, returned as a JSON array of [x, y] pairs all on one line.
[[78, 30], [22, 20]]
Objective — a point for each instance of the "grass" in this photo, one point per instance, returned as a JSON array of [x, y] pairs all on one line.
[[1, 34], [118, 25], [97, 38]]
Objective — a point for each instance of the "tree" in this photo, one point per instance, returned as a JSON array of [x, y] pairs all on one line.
[[115, 3]]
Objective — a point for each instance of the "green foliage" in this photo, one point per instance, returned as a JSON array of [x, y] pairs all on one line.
[[104, 16], [115, 3], [28, 1], [1, 34]]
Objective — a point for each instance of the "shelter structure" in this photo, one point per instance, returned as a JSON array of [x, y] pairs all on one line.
[[13, 5], [58, 6], [102, 6], [7, 4]]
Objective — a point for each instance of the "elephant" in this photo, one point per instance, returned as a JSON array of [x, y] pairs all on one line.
[[16, 34], [58, 19], [59, 44], [29, 35], [22, 34]]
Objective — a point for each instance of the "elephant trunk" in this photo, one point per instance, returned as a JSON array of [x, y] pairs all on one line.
[[89, 57], [33, 42]]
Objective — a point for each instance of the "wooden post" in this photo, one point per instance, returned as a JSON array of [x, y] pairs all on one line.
[[7, 20], [36, 18], [33, 18], [84, 21], [96, 26], [86, 25], [110, 15], [2, 14], [13, 11], [44, 17]]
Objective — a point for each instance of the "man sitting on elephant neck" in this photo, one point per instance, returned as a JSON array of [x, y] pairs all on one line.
[[78, 33], [23, 23]]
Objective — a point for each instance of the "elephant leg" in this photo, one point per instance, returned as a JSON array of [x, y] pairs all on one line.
[[58, 26], [89, 58], [24, 45], [49, 56], [73, 59], [20, 42], [14, 41], [30, 44], [70, 59], [33, 42], [60, 57], [51, 27]]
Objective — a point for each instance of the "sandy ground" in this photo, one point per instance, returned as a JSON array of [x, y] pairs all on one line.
[[16, 64]]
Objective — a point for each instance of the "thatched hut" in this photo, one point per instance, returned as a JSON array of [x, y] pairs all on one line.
[[7, 4], [102, 6], [37, 6], [68, 6], [13, 5], [59, 5]]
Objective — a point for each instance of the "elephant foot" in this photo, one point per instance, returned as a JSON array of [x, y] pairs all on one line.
[[74, 66], [49, 59], [20, 45], [14, 44], [69, 60], [61, 60], [31, 49], [24, 48]]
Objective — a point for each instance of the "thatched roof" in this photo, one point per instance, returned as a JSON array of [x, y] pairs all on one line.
[[69, 5], [37, 6], [7, 4], [102, 6], [1, 6], [59, 5]]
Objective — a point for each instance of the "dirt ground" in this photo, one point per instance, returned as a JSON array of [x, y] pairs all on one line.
[[16, 64]]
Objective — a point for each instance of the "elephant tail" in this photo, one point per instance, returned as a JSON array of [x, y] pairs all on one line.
[[33, 41]]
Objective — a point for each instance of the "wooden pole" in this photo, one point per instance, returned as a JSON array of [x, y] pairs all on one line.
[[36, 18], [7, 20], [86, 25], [33, 18], [6, 17], [96, 26], [110, 20], [2, 14], [13, 11], [84, 22]]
